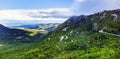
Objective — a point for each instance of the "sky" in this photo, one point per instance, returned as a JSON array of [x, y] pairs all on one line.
[[19, 12], [35, 4]]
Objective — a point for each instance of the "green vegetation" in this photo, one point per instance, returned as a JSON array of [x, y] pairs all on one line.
[[82, 42], [79, 46]]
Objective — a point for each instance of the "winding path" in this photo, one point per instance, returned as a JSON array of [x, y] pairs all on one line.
[[101, 31]]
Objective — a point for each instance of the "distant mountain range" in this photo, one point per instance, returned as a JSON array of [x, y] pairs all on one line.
[[25, 32], [48, 27]]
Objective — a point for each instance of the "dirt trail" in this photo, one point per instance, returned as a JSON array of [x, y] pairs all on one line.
[[101, 31]]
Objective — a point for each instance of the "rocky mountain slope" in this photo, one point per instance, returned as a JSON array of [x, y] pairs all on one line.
[[106, 20]]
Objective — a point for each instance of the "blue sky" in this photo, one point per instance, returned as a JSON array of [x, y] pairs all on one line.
[[35, 4], [19, 12], [33, 11]]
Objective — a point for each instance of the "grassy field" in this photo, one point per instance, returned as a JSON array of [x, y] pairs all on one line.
[[34, 32]]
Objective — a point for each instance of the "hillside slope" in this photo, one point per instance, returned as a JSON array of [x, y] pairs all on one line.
[[15, 35], [80, 37]]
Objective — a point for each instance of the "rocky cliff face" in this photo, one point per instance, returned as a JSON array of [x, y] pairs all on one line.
[[95, 21]]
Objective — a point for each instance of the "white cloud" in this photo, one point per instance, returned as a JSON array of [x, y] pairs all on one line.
[[92, 6], [35, 16], [32, 14], [79, 0]]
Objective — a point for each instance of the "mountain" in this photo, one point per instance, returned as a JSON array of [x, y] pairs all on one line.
[[94, 36], [3, 27], [34, 26], [48, 27], [14, 35]]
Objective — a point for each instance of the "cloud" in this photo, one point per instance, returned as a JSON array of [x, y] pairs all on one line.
[[56, 15], [53, 15], [93, 6], [79, 1]]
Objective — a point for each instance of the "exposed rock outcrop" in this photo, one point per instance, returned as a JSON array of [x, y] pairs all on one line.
[[115, 17], [95, 26]]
